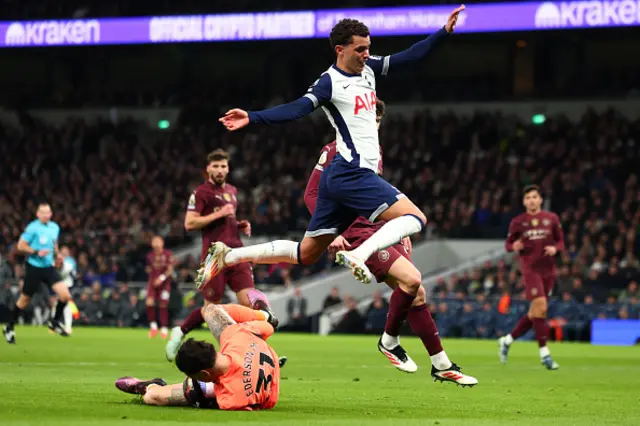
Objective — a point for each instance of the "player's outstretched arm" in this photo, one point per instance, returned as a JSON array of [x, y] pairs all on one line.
[[263, 328], [318, 94], [217, 320], [236, 118], [417, 51], [170, 395]]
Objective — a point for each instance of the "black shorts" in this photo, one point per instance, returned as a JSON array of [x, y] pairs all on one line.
[[34, 277]]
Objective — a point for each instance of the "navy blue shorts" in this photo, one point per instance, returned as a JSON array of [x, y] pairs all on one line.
[[346, 192]]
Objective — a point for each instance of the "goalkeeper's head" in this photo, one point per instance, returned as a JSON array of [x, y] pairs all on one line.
[[197, 359]]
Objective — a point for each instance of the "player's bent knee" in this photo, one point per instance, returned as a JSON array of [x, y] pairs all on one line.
[[62, 291], [23, 301], [418, 214], [311, 248], [411, 283], [539, 307], [421, 297]]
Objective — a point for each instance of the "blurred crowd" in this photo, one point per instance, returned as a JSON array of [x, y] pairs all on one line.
[[117, 306], [487, 302], [112, 186], [109, 193]]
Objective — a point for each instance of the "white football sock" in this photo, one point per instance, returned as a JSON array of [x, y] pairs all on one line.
[[153, 325], [441, 361], [544, 351], [267, 253], [391, 233], [508, 339], [389, 341], [68, 317]]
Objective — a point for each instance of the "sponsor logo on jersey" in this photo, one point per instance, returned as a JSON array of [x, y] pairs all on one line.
[[366, 102], [536, 234], [323, 157]]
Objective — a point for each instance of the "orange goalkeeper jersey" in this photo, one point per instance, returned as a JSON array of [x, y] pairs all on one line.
[[253, 381]]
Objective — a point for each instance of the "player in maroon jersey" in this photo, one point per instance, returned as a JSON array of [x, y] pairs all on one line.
[[394, 267], [159, 270], [212, 209], [537, 237]]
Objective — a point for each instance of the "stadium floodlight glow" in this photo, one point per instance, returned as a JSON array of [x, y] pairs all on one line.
[[538, 119], [163, 124], [388, 21]]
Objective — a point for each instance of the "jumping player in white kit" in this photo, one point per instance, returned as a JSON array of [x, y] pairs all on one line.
[[351, 188]]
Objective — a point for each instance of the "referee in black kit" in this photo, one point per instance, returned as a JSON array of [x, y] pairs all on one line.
[[39, 242]]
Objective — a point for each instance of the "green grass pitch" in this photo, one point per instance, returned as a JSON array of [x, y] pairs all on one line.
[[336, 380]]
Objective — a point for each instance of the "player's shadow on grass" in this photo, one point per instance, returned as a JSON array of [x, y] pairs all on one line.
[[295, 409]]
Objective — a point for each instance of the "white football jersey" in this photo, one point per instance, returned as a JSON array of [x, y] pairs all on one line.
[[68, 271], [349, 101]]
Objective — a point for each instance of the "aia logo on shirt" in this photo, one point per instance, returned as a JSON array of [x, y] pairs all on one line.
[[366, 102]]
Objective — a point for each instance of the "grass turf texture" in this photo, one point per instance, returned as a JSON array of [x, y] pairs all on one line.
[[336, 380]]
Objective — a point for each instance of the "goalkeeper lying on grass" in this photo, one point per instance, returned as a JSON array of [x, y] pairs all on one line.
[[243, 375]]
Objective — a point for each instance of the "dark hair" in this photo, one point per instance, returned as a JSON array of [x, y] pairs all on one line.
[[343, 32], [195, 356], [381, 108], [531, 188], [217, 155]]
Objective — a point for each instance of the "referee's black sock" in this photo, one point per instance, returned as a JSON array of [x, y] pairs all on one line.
[[59, 311], [15, 316]]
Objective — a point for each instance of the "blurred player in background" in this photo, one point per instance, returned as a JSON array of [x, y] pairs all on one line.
[[67, 269], [394, 267], [159, 270], [243, 375], [40, 242], [537, 237], [212, 209]]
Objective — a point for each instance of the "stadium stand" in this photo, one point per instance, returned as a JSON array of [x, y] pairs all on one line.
[[115, 183], [466, 175]]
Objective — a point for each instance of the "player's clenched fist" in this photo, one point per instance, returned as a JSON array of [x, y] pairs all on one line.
[[245, 227], [227, 210], [339, 244], [518, 245], [235, 119]]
